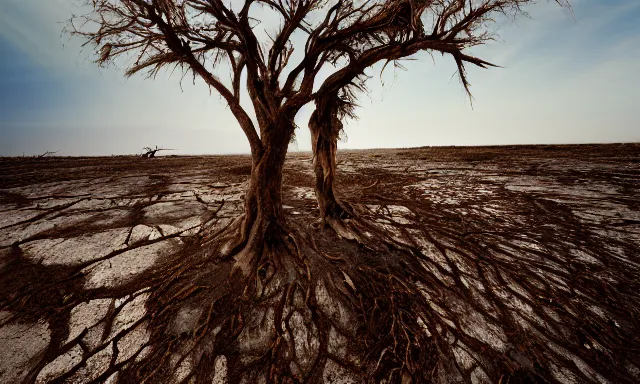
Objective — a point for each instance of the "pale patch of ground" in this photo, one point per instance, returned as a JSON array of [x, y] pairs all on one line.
[[61, 365], [129, 314], [257, 334], [133, 342], [186, 319], [336, 374], [122, 268], [76, 250], [86, 315], [220, 370], [93, 367], [306, 341], [303, 193], [22, 346], [333, 308]]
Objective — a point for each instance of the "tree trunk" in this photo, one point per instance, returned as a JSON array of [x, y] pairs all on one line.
[[264, 220], [325, 127]]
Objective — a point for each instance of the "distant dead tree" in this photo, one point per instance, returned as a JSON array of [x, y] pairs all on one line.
[[47, 153], [196, 36], [151, 152]]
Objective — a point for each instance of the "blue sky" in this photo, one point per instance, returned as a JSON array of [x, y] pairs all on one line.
[[563, 80]]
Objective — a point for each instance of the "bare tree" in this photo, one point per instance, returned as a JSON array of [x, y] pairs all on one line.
[[260, 257], [151, 152], [40, 156]]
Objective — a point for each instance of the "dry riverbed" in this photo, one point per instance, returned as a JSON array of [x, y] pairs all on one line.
[[532, 254]]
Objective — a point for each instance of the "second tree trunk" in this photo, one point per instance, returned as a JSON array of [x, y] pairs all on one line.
[[325, 127]]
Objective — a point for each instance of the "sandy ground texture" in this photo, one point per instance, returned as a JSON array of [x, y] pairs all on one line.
[[529, 262]]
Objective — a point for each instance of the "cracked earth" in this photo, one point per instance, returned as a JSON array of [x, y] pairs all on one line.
[[529, 262]]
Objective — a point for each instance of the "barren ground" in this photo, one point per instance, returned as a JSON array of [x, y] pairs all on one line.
[[529, 268]]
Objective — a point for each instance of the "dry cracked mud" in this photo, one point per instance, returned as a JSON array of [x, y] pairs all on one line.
[[528, 270]]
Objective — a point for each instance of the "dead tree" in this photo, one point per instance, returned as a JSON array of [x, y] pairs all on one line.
[[151, 152], [260, 249], [46, 154]]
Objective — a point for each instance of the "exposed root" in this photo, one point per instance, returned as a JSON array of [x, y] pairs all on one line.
[[290, 315], [359, 225]]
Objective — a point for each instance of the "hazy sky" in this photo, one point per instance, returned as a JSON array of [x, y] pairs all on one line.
[[563, 80]]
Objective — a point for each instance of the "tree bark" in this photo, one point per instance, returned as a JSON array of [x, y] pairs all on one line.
[[264, 221], [325, 127]]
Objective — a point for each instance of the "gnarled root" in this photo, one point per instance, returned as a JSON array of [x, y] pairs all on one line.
[[361, 226], [285, 311]]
